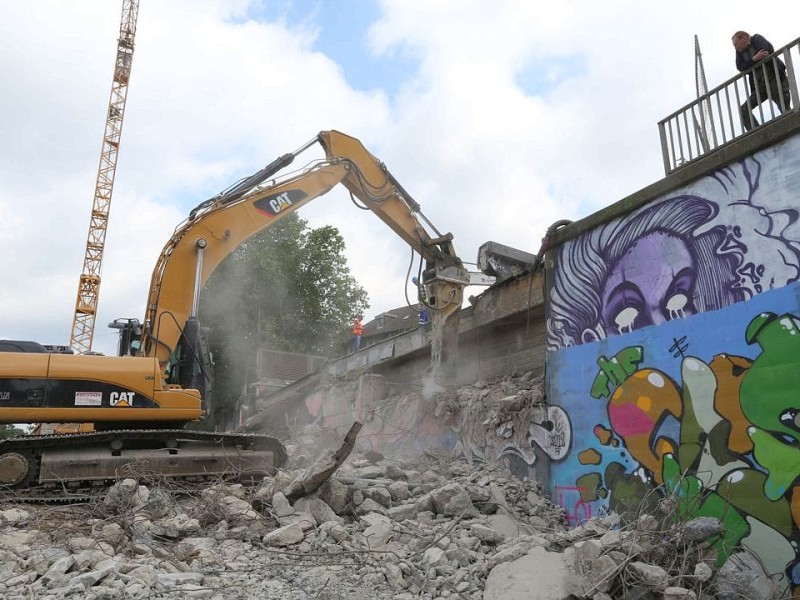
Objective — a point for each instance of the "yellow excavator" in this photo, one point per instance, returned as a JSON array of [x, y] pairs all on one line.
[[139, 401]]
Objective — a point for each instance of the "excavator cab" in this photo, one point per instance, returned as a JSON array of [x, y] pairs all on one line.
[[130, 336], [190, 365]]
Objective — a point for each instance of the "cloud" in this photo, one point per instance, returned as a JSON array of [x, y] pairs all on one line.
[[502, 118]]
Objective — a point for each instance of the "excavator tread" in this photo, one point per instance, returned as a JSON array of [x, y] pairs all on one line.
[[87, 463], [67, 439]]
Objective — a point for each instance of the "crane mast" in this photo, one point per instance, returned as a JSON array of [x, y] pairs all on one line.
[[89, 283]]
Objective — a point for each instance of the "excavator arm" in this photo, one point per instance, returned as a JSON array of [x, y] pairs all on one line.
[[217, 226]]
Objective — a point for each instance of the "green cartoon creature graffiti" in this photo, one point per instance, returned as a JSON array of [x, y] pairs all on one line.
[[736, 456], [770, 400]]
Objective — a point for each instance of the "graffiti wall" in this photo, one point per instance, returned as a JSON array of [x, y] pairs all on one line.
[[674, 351]]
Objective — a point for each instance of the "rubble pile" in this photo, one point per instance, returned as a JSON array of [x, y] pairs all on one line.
[[367, 527], [485, 420], [438, 528], [648, 559], [382, 529]]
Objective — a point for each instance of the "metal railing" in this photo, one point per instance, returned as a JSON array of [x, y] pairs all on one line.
[[727, 112]]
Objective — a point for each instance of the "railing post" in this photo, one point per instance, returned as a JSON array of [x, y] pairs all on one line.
[[759, 99], [712, 125], [680, 141], [730, 112], [781, 101], [790, 76], [664, 151]]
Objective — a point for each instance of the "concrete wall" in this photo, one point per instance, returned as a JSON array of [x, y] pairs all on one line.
[[673, 337], [501, 333]]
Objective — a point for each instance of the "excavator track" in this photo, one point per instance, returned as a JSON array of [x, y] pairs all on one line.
[[78, 467]]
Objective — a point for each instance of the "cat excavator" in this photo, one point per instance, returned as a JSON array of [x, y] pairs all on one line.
[[140, 401]]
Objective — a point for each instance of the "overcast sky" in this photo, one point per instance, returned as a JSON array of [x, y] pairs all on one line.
[[499, 117]]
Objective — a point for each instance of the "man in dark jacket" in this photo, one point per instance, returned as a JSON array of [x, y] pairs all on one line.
[[769, 75]]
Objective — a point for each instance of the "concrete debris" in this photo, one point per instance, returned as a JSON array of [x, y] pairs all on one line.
[[450, 529], [679, 593], [368, 527], [703, 572], [452, 500], [14, 516], [743, 576], [486, 534], [538, 575], [702, 528], [651, 576], [323, 467], [421, 530], [285, 536]]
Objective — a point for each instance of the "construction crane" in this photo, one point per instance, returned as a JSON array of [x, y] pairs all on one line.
[[89, 284]]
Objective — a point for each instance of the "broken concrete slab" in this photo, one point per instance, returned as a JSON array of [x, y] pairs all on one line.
[[285, 536], [539, 575]]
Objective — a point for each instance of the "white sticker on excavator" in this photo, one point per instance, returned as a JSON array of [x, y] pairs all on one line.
[[88, 398]]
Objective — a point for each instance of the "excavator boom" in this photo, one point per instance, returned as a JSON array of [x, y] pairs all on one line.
[[216, 227]]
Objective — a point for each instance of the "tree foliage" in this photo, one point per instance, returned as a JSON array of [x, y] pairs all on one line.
[[9, 431], [288, 288]]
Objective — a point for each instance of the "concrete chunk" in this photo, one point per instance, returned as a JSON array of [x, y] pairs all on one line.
[[486, 534], [57, 569], [539, 575], [452, 500], [170, 580], [285, 536], [318, 509], [652, 576]]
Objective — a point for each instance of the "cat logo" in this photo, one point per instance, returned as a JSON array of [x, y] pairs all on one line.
[[275, 204], [280, 202], [121, 398]]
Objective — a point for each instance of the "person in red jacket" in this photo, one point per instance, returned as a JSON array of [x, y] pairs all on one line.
[[750, 51], [358, 331]]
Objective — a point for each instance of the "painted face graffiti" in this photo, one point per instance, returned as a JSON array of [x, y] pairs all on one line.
[[723, 240], [644, 289]]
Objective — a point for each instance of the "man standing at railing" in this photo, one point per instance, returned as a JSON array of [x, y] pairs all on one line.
[[767, 82]]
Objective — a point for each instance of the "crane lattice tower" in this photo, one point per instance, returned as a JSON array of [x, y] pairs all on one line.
[[89, 284]]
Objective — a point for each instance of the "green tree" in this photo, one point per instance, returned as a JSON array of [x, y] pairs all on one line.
[[288, 288], [9, 431]]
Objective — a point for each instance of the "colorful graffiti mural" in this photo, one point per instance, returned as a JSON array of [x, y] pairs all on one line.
[[717, 437], [674, 349], [722, 240]]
